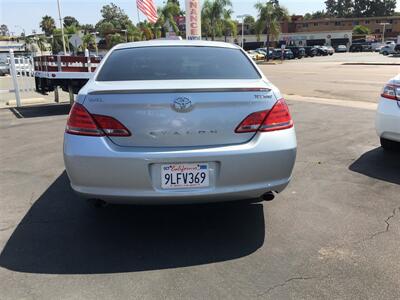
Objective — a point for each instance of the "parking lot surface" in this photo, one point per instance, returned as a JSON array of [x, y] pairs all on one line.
[[334, 233]]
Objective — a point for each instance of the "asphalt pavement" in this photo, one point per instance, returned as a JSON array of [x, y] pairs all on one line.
[[334, 233]]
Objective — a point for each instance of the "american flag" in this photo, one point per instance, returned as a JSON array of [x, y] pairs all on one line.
[[148, 8]]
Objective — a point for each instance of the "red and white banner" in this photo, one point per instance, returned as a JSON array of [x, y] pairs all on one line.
[[193, 20], [149, 9]]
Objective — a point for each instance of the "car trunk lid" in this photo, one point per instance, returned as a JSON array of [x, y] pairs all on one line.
[[180, 113]]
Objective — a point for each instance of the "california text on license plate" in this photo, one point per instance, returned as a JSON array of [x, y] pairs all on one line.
[[182, 176]]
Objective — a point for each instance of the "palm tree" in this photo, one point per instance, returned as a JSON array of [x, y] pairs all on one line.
[[269, 16], [87, 40], [42, 43], [147, 30], [47, 25], [134, 34], [212, 14], [166, 16], [229, 27]]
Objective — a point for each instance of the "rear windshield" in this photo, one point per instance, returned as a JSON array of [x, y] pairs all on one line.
[[176, 62]]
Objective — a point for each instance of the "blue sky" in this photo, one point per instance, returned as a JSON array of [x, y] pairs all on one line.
[[18, 14]]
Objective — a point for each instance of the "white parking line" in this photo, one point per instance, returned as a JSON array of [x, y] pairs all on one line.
[[336, 102]]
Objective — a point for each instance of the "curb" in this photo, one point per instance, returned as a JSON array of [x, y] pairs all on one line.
[[268, 63], [370, 64], [336, 102], [26, 101]]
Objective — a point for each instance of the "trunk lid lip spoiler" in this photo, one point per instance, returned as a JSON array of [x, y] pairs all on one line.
[[184, 90]]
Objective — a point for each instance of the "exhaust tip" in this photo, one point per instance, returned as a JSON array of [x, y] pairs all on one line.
[[268, 196]]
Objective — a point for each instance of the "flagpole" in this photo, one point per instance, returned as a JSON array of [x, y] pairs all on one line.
[[137, 9]]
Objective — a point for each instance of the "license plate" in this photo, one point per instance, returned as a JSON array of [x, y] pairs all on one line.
[[184, 176]]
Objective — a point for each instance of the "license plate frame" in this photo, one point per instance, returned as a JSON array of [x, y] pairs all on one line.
[[184, 176]]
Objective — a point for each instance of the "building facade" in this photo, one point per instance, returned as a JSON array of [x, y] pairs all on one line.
[[330, 38], [374, 24]]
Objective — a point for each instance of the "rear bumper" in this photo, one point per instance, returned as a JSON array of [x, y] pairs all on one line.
[[388, 120], [97, 168]]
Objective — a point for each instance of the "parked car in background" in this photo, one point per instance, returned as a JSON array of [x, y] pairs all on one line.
[[388, 49], [329, 49], [388, 115], [255, 55], [298, 52], [146, 133], [341, 48], [4, 68], [378, 46], [321, 51], [397, 49], [287, 54], [361, 47], [264, 51], [310, 51]]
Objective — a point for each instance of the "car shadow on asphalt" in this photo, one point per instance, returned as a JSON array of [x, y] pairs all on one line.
[[379, 164], [43, 110], [62, 234]]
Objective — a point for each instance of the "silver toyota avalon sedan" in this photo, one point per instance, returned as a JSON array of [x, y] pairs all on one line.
[[178, 122]]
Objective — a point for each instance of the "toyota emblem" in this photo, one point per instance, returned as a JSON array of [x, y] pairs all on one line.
[[182, 104]]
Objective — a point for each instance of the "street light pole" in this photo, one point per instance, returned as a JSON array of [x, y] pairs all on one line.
[[126, 34], [243, 16], [384, 29], [62, 27]]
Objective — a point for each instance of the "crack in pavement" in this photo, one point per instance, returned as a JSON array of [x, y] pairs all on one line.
[[300, 278], [387, 225], [304, 278]]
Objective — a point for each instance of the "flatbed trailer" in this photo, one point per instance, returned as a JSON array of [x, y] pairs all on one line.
[[68, 72]]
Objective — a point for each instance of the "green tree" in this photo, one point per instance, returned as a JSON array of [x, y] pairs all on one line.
[[250, 22], [134, 34], [4, 30], [88, 40], [167, 16], [212, 14], [331, 7], [106, 28], [344, 8], [116, 39], [114, 15], [381, 8], [360, 29], [87, 28], [69, 20], [147, 30], [360, 8], [269, 16], [228, 26], [319, 14], [47, 25], [56, 41]]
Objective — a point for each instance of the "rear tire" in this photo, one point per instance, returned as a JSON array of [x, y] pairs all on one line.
[[385, 53], [389, 145]]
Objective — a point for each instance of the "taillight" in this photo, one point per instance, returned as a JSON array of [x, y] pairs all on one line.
[[81, 122], [391, 91], [111, 126], [278, 118]]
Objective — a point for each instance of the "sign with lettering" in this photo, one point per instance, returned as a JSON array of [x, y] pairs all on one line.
[[193, 20]]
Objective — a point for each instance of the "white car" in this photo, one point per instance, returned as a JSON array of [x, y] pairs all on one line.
[[388, 116], [388, 49]]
